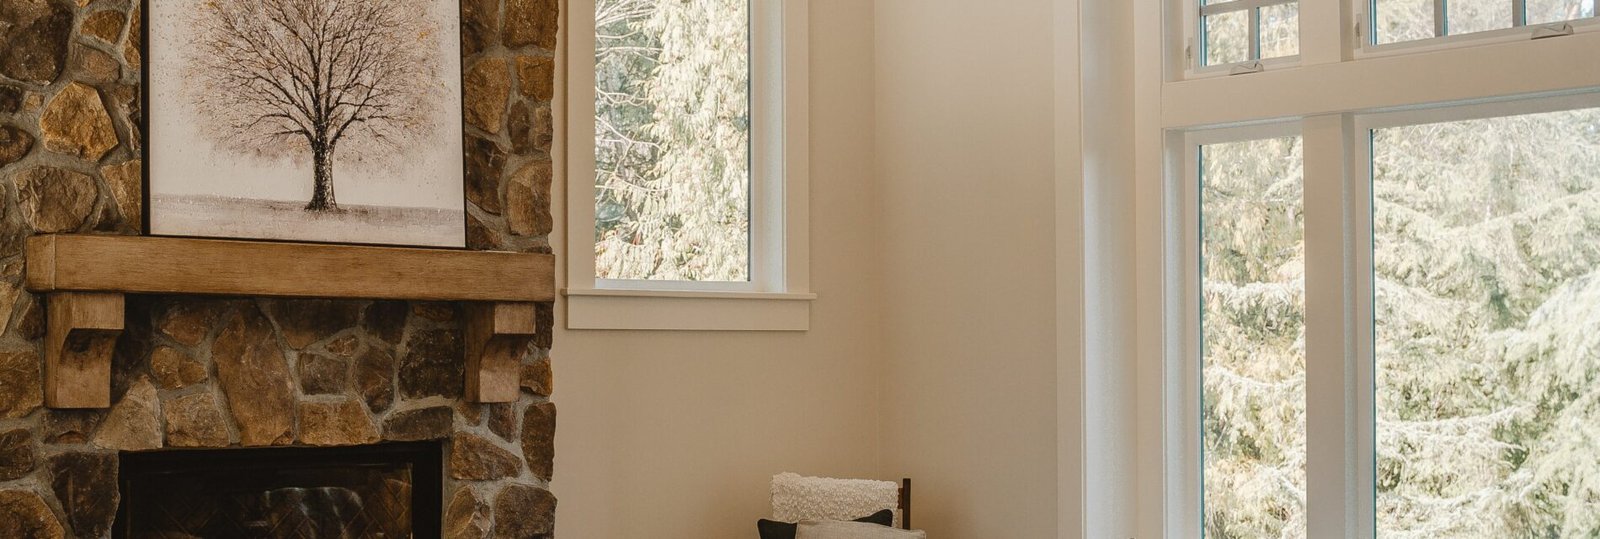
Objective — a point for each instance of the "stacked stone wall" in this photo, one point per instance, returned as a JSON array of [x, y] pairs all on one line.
[[249, 372]]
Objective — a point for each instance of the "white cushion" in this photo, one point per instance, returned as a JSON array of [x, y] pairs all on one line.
[[834, 529], [796, 498]]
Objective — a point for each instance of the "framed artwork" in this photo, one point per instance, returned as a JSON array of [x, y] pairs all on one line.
[[305, 120]]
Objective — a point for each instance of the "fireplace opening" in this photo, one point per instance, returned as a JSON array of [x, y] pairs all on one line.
[[378, 491]]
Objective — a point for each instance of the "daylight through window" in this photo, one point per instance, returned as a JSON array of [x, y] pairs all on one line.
[[1253, 338], [672, 140], [1487, 326], [1395, 21], [1240, 31]]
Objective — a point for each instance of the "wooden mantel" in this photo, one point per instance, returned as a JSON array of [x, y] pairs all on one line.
[[86, 276]]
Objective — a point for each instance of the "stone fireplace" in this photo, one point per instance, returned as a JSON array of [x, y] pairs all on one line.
[[196, 373], [205, 376], [235, 374]]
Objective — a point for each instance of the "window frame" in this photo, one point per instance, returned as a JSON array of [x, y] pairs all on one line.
[[1337, 91], [1194, 39], [1188, 363], [1340, 356], [777, 295]]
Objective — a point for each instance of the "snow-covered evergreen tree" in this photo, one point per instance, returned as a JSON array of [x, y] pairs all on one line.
[[672, 139], [1487, 335], [1253, 338], [1487, 239]]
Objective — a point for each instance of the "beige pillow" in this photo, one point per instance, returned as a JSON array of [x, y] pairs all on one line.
[[834, 529]]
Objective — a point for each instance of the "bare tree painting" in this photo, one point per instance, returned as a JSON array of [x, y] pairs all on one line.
[[324, 94], [302, 75]]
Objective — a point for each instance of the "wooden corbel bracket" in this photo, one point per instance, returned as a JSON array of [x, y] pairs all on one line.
[[497, 334], [81, 333], [84, 279]]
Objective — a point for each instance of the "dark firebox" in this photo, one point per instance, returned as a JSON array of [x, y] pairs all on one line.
[[382, 491]]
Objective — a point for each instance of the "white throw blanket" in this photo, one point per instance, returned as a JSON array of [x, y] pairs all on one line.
[[796, 498], [833, 529]]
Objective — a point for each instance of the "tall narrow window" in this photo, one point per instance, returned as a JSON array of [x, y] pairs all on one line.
[[1240, 31], [1395, 21], [699, 214], [1486, 244], [672, 186], [1253, 407]]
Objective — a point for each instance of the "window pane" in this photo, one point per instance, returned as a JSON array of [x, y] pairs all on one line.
[[1548, 11], [1468, 16], [1227, 37], [1486, 240], [1402, 20], [672, 140], [1280, 30], [1253, 334]]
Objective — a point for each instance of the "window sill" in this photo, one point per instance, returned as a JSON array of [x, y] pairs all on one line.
[[671, 310]]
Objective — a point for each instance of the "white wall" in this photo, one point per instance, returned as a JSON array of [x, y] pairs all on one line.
[[933, 352], [677, 434], [966, 234]]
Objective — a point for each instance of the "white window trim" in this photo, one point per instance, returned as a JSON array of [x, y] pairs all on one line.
[[778, 295], [1458, 74], [1338, 93]]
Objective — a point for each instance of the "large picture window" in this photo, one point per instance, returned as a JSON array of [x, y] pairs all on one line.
[[1367, 302], [1487, 326]]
